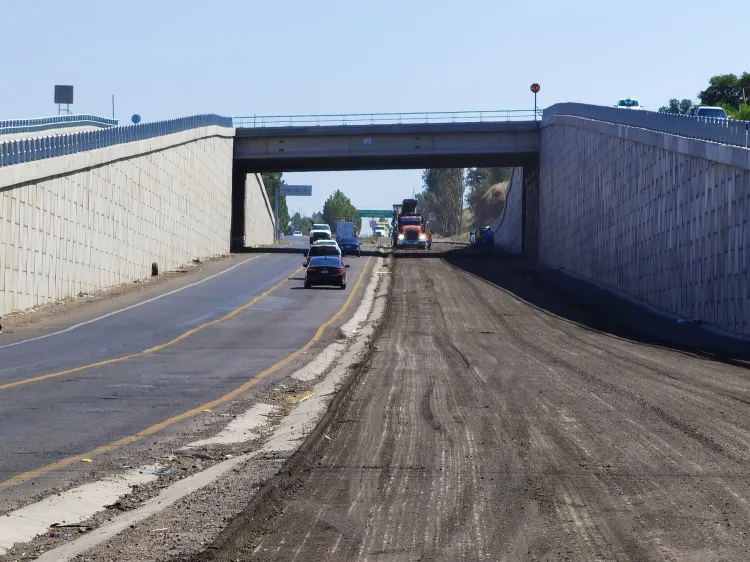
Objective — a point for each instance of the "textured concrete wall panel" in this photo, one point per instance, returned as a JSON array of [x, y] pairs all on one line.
[[67, 228], [666, 227], [508, 226], [258, 213]]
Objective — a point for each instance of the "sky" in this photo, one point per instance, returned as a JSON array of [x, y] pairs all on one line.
[[164, 59]]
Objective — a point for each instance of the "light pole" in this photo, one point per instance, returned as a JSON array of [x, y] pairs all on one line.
[[535, 88]]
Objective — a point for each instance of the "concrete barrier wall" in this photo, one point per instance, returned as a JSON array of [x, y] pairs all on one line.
[[94, 219], [40, 134], [258, 213], [507, 227], [660, 217]]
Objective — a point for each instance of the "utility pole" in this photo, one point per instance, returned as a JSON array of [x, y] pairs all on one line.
[[276, 215]]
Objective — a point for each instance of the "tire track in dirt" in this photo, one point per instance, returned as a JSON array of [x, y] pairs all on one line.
[[483, 428]]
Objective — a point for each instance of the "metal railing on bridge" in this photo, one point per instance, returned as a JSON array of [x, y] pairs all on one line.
[[259, 121], [14, 126], [724, 131], [29, 150]]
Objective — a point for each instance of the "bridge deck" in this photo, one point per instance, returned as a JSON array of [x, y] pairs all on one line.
[[386, 146]]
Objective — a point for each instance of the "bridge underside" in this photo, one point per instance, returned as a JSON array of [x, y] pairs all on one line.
[[383, 147], [384, 162]]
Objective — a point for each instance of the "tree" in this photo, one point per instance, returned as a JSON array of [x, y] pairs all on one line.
[[479, 181], [272, 180], [726, 90], [485, 205], [339, 207], [442, 200], [295, 221], [678, 107]]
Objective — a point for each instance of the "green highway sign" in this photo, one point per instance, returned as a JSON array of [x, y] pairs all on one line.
[[373, 214]]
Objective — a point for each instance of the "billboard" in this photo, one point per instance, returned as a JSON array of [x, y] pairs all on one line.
[[64, 95]]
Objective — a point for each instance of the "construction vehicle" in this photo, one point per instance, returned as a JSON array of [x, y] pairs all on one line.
[[410, 227]]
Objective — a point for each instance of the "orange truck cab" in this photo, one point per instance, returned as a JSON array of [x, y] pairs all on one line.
[[411, 232]]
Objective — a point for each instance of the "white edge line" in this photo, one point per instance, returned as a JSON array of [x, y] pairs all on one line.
[[156, 298]]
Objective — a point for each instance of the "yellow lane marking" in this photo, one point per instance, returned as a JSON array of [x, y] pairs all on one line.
[[178, 339], [190, 413]]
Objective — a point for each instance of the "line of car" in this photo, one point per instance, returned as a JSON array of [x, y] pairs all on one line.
[[703, 111], [324, 261]]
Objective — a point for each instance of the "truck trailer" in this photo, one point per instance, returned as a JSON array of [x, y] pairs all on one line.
[[346, 228]]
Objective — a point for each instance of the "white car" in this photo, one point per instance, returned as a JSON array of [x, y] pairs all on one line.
[[327, 243], [711, 112], [322, 227], [628, 103], [297, 233]]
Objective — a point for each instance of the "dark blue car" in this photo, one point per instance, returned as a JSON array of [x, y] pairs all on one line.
[[350, 247], [484, 237]]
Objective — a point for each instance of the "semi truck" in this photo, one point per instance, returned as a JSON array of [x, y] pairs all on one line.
[[411, 227]]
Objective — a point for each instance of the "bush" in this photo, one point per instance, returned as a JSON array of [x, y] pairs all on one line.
[[743, 113]]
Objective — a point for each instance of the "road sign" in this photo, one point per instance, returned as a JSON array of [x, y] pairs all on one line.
[[535, 88], [368, 142], [295, 190], [373, 214], [135, 119]]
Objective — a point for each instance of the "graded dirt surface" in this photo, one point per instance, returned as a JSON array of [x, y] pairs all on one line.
[[510, 413]]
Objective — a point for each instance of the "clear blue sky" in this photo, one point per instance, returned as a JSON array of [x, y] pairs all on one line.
[[241, 57]]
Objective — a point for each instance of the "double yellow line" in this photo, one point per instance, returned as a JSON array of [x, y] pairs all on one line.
[[178, 339], [190, 413]]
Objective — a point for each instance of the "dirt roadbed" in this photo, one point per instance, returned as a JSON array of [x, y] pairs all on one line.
[[505, 413]]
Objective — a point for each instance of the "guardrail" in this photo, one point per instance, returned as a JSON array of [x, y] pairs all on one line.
[[724, 131], [260, 121], [12, 126], [29, 150]]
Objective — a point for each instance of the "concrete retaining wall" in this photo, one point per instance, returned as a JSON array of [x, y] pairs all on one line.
[[90, 220], [507, 226], [662, 218], [258, 213]]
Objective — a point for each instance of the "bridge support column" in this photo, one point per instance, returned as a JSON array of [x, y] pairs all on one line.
[[530, 213], [238, 208]]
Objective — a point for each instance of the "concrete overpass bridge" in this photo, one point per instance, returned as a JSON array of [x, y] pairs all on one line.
[[386, 141], [650, 204]]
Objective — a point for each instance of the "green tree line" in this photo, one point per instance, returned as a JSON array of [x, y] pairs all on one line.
[[454, 199], [337, 207], [729, 91]]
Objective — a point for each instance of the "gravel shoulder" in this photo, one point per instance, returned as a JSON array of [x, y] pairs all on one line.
[[509, 412]]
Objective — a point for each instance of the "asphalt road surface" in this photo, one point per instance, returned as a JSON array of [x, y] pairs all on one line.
[[508, 413], [52, 419]]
